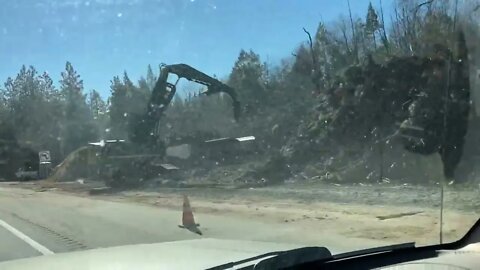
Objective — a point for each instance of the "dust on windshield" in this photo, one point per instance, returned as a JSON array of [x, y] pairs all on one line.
[[348, 125]]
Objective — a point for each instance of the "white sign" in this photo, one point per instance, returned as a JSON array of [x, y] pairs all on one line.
[[182, 151], [44, 156], [244, 139], [103, 142]]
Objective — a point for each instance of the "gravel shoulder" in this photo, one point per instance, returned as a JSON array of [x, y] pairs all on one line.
[[384, 213]]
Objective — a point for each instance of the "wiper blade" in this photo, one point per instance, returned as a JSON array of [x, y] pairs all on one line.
[[381, 249], [294, 257], [283, 259]]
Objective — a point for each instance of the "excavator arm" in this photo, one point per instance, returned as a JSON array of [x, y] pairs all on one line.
[[163, 93]]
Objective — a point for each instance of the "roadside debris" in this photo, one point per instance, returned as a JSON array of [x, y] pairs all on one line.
[[399, 215], [100, 190]]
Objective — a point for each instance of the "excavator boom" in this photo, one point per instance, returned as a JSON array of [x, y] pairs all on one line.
[[163, 92]]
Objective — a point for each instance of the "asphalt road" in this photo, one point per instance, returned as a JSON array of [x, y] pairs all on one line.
[[12, 247], [51, 222]]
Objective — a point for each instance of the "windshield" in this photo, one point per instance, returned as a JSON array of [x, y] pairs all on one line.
[[344, 124]]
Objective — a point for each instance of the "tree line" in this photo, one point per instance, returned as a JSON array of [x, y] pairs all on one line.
[[276, 100]]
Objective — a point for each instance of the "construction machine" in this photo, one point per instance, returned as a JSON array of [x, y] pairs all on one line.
[[141, 157]]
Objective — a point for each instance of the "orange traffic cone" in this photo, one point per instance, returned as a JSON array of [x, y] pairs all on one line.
[[188, 221]]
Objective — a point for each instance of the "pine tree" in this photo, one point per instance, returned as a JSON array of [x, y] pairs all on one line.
[[248, 79], [98, 110], [96, 104], [128, 105], [371, 24], [117, 113], [33, 104], [77, 124], [151, 79]]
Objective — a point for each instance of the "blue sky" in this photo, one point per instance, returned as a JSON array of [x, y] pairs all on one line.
[[102, 38]]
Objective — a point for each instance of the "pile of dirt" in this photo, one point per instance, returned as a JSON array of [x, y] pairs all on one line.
[[81, 163], [386, 111]]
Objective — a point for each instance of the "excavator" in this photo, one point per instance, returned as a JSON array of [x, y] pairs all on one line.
[[127, 163]]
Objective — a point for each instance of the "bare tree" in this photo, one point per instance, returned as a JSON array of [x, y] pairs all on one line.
[[355, 41], [312, 52], [342, 26], [383, 31]]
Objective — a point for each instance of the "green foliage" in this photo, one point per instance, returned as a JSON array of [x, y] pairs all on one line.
[[77, 125], [151, 79], [372, 25], [248, 78], [118, 101], [37, 116], [98, 109], [31, 107], [127, 103], [371, 22]]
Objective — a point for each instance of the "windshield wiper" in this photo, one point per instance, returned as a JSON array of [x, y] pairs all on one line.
[[282, 259], [295, 257], [381, 249]]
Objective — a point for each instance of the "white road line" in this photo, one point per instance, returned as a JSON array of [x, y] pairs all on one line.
[[38, 247]]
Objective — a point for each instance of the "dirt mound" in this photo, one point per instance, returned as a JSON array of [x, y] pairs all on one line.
[[78, 164]]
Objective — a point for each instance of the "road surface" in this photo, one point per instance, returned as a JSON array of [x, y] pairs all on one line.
[[34, 223]]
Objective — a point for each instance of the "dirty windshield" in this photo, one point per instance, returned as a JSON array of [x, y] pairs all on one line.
[[276, 124]]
